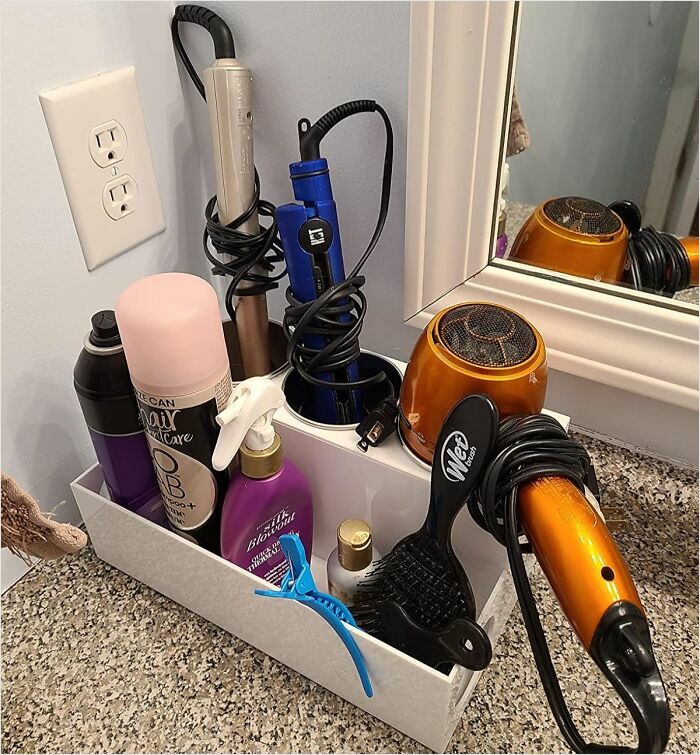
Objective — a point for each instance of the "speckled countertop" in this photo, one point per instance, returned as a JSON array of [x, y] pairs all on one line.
[[93, 661]]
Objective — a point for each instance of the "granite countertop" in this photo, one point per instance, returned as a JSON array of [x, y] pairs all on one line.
[[92, 661]]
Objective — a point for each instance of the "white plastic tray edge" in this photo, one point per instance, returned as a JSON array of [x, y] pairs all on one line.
[[387, 488], [417, 700]]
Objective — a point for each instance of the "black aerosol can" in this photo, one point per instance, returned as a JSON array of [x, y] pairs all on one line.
[[106, 396]]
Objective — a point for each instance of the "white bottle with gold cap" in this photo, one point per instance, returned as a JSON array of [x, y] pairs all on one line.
[[351, 561]]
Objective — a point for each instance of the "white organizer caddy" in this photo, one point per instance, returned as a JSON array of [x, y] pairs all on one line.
[[385, 487]]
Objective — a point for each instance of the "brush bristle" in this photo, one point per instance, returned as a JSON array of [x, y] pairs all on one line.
[[419, 576], [368, 616]]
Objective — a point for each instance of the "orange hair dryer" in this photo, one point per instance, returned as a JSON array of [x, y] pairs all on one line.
[[470, 348], [690, 244], [582, 237], [574, 235], [484, 348]]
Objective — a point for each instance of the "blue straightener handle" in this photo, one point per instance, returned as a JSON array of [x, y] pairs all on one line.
[[298, 584]]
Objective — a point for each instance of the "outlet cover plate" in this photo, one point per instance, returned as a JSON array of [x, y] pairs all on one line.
[[76, 115]]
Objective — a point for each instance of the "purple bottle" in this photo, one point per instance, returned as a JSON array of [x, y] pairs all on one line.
[[501, 238], [268, 496], [501, 246], [101, 380]]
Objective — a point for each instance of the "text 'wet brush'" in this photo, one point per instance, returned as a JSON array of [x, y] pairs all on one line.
[[422, 573]]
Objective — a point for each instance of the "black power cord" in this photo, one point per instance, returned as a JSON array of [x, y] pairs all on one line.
[[528, 448], [262, 250], [224, 46], [338, 313], [658, 263]]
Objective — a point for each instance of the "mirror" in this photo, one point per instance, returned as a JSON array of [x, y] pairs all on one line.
[[600, 173]]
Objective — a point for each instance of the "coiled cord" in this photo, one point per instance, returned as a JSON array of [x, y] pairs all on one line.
[[338, 313], [262, 250], [528, 448], [248, 252], [658, 262]]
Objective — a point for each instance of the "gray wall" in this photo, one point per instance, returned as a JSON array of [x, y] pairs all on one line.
[[593, 80], [48, 294], [307, 57]]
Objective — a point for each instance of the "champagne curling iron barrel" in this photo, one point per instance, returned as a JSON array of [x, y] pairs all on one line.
[[228, 86], [227, 89]]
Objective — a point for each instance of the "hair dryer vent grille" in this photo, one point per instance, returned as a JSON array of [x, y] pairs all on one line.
[[582, 216], [487, 335]]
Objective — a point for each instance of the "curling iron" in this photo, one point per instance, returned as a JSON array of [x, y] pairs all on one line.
[[246, 251]]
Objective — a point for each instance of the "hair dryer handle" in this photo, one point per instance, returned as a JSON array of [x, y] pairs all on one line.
[[622, 649], [593, 585]]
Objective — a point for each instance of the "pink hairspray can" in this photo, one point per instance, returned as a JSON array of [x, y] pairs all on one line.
[[174, 345]]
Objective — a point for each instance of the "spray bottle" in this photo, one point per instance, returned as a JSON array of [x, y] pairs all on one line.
[[176, 353], [268, 496], [106, 396]]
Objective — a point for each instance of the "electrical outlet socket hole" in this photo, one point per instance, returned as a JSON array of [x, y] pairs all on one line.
[[108, 143], [120, 197]]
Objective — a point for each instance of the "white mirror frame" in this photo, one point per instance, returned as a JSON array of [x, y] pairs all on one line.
[[460, 56]]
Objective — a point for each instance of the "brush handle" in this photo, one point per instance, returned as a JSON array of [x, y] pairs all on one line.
[[462, 449], [462, 641], [465, 642]]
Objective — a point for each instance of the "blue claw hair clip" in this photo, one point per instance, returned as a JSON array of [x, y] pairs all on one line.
[[298, 584]]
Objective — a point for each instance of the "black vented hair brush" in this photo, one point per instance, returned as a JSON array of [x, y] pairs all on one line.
[[421, 573]]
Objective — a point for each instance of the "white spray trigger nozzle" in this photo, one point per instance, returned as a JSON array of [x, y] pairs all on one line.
[[247, 415]]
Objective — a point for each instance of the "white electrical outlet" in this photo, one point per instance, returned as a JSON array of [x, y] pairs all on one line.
[[99, 136]]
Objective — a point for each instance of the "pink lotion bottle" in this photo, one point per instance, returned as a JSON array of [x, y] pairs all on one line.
[[268, 496]]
